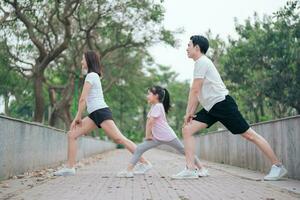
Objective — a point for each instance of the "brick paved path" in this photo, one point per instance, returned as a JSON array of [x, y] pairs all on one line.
[[98, 181]]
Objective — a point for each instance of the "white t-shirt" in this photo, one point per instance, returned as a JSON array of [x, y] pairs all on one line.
[[95, 99], [213, 88]]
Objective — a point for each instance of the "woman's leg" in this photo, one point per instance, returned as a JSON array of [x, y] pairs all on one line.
[[112, 131], [85, 127]]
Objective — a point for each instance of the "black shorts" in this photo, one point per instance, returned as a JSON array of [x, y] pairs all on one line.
[[227, 113], [100, 115]]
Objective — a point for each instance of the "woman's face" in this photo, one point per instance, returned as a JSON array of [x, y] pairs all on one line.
[[152, 98], [83, 63]]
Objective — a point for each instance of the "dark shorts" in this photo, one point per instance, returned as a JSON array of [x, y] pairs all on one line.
[[100, 115], [227, 113]]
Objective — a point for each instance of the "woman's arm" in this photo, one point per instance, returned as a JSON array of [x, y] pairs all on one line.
[[149, 125], [81, 104]]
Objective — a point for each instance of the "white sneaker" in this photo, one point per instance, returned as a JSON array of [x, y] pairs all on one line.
[[142, 168], [125, 174], [186, 174], [65, 172], [276, 173], [203, 172]]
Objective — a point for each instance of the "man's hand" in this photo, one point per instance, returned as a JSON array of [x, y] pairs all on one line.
[[187, 119]]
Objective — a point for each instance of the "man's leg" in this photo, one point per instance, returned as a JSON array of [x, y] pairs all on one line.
[[262, 144], [177, 144], [189, 141]]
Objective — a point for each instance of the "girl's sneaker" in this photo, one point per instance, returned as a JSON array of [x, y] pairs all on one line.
[[142, 168], [65, 172], [276, 173], [186, 174], [125, 174], [203, 172]]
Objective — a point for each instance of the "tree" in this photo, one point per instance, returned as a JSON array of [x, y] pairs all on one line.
[[36, 34], [56, 33], [263, 64]]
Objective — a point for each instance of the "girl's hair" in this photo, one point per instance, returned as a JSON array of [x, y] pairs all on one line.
[[163, 96], [93, 62]]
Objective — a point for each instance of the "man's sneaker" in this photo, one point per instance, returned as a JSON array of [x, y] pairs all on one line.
[[142, 168], [276, 173], [65, 172], [125, 174], [186, 174], [203, 172]]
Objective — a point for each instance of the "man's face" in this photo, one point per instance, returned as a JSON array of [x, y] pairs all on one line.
[[191, 50]]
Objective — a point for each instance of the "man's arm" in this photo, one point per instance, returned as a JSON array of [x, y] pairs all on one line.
[[193, 101]]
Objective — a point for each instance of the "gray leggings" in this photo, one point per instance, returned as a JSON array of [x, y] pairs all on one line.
[[149, 144]]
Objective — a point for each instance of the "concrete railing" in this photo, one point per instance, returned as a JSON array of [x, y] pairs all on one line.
[[283, 136], [28, 146]]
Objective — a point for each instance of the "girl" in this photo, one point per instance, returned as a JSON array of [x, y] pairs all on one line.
[[99, 114], [158, 132]]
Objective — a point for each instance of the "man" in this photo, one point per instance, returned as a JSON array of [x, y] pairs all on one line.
[[209, 90]]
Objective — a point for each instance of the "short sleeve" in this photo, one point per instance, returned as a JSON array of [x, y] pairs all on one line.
[[90, 77], [200, 69], [155, 111]]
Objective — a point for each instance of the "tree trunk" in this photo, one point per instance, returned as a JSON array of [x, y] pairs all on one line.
[[61, 109], [39, 99], [6, 102]]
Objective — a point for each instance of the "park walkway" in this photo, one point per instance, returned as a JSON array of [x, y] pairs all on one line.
[[96, 180]]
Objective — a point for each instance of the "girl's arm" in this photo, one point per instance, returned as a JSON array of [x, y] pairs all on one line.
[[149, 125], [81, 104]]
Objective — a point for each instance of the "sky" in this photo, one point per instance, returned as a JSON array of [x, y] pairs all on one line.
[[197, 17]]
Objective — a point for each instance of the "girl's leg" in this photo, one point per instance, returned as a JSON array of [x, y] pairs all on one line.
[[85, 127], [112, 131], [141, 148], [177, 144]]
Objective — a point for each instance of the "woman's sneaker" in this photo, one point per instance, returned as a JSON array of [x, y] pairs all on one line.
[[203, 172], [186, 174], [142, 168], [65, 172], [125, 174], [276, 173]]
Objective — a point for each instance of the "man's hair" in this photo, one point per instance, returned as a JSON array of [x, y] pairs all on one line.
[[201, 41]]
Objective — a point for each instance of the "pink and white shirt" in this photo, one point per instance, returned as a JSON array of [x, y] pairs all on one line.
[[161, 129]]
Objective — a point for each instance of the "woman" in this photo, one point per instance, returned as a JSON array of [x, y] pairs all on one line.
[[99, 115]]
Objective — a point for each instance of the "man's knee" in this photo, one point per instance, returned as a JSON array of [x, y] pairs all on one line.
[[72, 135], [186, 131], [250, 135]]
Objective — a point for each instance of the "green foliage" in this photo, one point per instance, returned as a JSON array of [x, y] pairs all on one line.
[[261, 68]]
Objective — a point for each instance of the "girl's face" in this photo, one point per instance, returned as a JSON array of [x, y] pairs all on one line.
[[83, 63], [152, 98]]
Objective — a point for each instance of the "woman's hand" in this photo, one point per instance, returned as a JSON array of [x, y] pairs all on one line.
[[77, 121]]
